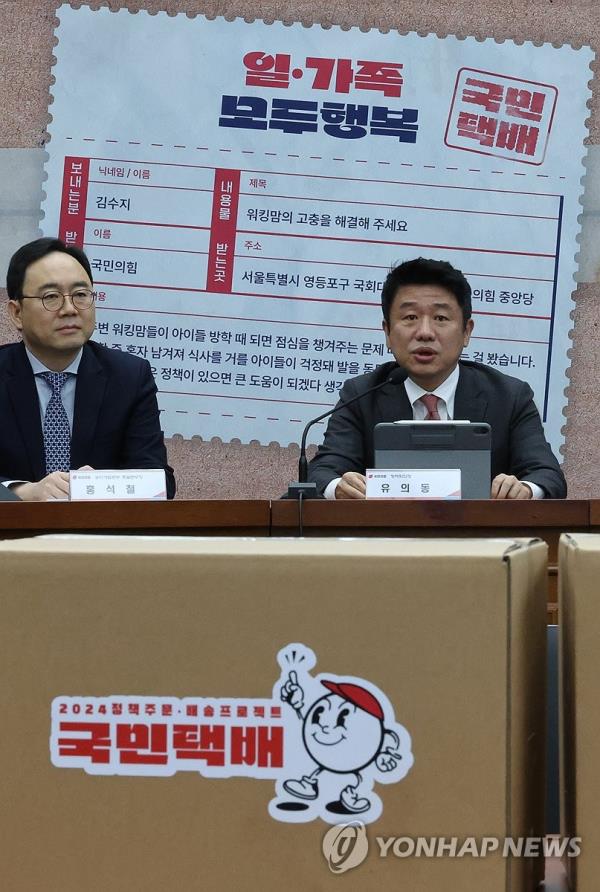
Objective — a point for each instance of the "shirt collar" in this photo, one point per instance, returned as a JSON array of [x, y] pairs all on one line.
[[446, 390], [38, 367]]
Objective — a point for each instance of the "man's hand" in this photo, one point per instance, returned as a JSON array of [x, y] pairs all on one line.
[[54, 486], [351, 486], [505, 486]]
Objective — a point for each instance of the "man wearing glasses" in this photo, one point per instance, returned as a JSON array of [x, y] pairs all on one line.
[[66, 402]]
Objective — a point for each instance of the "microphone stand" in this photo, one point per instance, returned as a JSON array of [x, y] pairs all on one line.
[[302, 489]]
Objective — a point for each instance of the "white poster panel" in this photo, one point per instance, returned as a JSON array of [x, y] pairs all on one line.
[[242, 190]]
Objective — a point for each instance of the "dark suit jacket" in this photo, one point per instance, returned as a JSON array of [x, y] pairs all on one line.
[[115, 424], [482, 394]]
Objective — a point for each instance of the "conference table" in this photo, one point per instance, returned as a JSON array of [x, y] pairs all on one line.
[[545, 519]]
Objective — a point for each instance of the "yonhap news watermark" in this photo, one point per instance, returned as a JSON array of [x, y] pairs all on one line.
[[347, 845]]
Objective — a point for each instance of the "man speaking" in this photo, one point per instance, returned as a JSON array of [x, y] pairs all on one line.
[[66, 402], [427, 323]]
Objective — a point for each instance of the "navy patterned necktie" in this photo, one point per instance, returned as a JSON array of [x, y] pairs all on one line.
[[57, 434]]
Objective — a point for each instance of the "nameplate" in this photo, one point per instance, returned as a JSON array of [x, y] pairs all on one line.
[[414, 483], [107, 486]]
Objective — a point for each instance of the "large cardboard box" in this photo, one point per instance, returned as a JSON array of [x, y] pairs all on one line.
[[579, 619], [165, 725]]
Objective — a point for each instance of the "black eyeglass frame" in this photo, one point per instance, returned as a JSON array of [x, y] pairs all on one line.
[[82, 299]]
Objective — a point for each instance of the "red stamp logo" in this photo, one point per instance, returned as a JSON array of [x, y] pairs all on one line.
[[493, 114]]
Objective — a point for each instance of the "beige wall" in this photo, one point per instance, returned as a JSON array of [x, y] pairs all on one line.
[[214, 469]]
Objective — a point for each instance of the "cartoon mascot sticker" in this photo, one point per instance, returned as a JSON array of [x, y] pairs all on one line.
[[347, 738], [324, 740]]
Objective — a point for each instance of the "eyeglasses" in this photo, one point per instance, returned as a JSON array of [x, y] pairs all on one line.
[[81, 298]]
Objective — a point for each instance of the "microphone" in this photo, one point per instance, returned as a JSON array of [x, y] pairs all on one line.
[[304, 490]]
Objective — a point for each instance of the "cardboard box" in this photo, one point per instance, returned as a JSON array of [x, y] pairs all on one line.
[[579, 619], [129, 663]]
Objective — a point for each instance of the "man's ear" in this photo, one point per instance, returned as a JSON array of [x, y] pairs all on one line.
[[468, 332], [386, 331], [15, 309]]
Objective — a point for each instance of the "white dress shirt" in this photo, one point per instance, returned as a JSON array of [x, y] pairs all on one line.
[[445, 393]]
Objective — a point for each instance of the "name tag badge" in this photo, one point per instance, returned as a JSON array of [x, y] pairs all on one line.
[[415, 483], [103, 486]]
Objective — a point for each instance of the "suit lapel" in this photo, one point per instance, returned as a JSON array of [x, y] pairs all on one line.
[[470, 402], [392, 404], [23, 396], [89, 394]]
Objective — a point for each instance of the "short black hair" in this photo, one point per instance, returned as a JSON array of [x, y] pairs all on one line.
[[32, 251], [426, 272]]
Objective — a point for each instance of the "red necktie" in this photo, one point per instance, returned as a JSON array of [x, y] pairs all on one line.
[[430, 401]]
